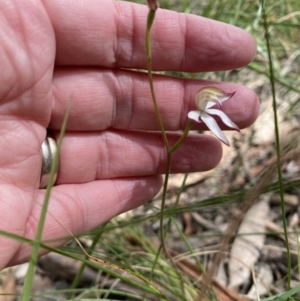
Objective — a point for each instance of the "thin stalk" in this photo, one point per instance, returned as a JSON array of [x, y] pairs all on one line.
[[169, 150], [174, 206], [169, 156], [282, 81], [36, 245], [161, 220], [164, 194], [298, 250], [163, 201], [182, 138], [277, 139], [83, 265], [190, 248], [150, 19]]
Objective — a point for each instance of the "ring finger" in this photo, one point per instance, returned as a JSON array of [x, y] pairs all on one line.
[[93, 156]]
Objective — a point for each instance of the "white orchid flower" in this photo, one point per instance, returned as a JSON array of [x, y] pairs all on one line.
[[205, 100]]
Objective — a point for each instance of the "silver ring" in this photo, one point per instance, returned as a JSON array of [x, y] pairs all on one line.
[[49, 150]]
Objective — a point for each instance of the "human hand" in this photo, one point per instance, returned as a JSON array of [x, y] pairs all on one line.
[[58, 52]]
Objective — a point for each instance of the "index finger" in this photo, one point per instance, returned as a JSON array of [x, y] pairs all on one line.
[[112, 34]]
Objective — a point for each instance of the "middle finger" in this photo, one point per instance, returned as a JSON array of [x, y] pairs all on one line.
[[121, 99]]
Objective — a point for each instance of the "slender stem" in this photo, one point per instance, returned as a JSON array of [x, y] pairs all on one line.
[[161, 228], [150, 19], [280, 182], [174, 206], [168, 167], [163, 201], [83, 264], [167, 174], [169, 150], [182, 138], [36, 244]]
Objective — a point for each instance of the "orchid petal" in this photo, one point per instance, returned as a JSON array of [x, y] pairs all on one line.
[[211, 104], [226, 96], [194, 115], [214, 128], [220, 99], [225, 119]]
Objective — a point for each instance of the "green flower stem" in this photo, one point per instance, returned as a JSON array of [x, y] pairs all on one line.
[[167, 174], [36, 244], [150, 19], [169, 150], [163, 201], [277, 139], [182, 138], [83, 264]]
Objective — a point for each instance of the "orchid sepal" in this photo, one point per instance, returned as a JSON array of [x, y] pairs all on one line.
[[195, 115], [225, 119], [214, 127]]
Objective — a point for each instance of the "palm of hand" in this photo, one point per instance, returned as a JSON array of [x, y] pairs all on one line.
[[27, 62], [105, 168]]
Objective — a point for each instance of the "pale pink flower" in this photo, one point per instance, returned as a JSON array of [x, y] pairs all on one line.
[[206, 99]]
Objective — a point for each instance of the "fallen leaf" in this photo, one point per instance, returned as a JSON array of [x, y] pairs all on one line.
[[247, 245]]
